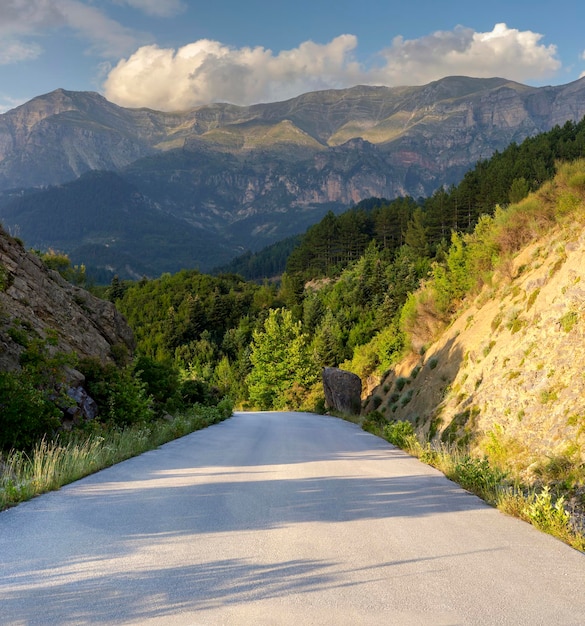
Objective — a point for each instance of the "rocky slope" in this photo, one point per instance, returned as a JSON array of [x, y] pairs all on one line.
[[508, 371], [38, 303], [245, 177]]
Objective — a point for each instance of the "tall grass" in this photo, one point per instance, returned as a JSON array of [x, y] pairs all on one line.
[[52, 464]]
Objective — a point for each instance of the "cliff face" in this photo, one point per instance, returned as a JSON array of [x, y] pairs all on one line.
[[38, 303], [448, 124], [245, 177], [510, 367]]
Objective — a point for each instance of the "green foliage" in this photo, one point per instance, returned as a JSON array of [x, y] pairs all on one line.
[[547, 514], [569, 320], [27, 411], [478, 476], [452, 280], [400, 382], [267, 263], [399, 433], [32, 398], [282, 366], [161, 383], [4, 278], [519, 189], [120, 395], [59, 261]]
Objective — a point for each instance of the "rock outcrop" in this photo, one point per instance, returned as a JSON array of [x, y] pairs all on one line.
[[38, 303], [343, 390]]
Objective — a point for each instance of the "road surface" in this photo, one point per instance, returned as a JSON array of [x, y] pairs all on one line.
[[279, 518]]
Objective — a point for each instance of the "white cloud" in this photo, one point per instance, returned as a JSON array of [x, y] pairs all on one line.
[[208, 71], [108, 37], [505, 52]]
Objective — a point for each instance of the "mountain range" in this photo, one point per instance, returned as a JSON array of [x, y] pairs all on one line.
[[139, 192]]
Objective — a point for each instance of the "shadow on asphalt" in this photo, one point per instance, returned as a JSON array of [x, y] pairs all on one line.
[[160, 592]]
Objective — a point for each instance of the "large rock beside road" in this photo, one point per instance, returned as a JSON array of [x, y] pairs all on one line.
[[343, 390]]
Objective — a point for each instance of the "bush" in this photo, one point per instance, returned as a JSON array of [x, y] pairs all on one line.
[[400, 382], [197, 392], [31, 399], [479, 477], [27, 411], [121, 397], [161, 382], [545, 514], [374, 422], [399, 433]]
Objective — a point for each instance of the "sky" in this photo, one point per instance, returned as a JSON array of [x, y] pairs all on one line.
[[179, 54]]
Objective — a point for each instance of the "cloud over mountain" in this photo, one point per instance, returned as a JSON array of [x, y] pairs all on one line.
[[208, 71]]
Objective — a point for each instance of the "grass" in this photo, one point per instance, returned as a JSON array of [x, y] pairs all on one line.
[[52, 464]]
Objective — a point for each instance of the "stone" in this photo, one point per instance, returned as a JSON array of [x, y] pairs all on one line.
[[343, 390], [85, 407]]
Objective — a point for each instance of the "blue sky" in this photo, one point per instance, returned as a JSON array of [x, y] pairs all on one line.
[[177, 54]]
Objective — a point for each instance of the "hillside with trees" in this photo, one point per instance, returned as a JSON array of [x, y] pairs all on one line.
[[386, 290], [348, 283]]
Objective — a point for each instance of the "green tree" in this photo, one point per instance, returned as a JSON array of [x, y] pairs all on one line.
[[518, 190], [281, 362]]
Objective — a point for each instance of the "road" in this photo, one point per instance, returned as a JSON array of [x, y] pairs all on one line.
[[279, 518]]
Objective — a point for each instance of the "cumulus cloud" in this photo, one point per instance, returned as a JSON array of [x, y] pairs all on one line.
[[208, 71], [504, 51]]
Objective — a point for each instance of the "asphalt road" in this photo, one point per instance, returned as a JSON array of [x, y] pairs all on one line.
[[279, 518]]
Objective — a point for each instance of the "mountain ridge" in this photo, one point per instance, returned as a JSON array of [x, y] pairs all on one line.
[[246, 177]]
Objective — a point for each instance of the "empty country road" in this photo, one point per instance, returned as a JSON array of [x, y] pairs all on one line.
[[279, 518]]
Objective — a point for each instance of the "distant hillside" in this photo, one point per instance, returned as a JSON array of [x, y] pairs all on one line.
[[102, 220], [240, 178]]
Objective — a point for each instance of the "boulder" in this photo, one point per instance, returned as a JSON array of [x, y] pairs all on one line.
[[85, 407], [343, 390]]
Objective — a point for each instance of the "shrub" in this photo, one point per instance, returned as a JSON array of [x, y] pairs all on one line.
[[27, 411], [406, 398], [161, 382], [545, 514], [399, 434], [121, 396], [374, 422], [400, 382], [478, 476], [569, 320]]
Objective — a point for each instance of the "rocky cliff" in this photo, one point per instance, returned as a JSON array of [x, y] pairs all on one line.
[[509, 369], [38, 303], [245, 177]]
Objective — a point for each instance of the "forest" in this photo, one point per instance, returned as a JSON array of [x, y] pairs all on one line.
[[344, 295], [347, 293]]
